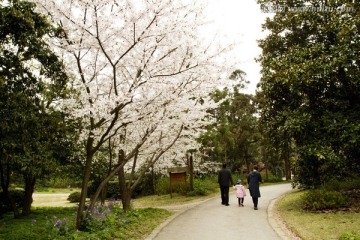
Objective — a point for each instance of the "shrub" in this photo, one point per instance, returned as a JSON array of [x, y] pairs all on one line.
[[205, 186], [202, 186], [17, 196], [163, 186], [321, 199], [344, 185], [147, 184], [74, 197], [113, 190]]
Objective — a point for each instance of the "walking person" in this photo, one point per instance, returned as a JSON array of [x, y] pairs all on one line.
[[254, 178], [240, 192], [224, 180]]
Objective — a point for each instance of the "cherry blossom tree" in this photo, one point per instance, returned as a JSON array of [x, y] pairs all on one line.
[[142, 72]]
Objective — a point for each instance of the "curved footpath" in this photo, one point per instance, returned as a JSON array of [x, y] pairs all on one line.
[[211, 220]]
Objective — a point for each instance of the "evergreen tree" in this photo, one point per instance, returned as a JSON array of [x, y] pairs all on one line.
[[310, 83], [32, 81]]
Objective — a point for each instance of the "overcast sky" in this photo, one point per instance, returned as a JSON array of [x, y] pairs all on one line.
[[240, 21]]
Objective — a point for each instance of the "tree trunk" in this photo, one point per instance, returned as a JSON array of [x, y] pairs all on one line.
[[153, 180], [29, 190], [287, 161], [266, 160], [125, 192], [107, 179], [84, 188], [120, 169], [103, 194], [104, 190], [5, 182]]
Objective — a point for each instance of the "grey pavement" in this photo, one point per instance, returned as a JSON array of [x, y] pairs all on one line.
[[211, 220]]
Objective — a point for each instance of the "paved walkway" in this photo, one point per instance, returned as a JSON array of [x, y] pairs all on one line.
[[211, 220]]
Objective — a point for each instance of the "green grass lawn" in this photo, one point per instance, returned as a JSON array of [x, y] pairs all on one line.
[[316, 225], [59, 223], [139, 223]]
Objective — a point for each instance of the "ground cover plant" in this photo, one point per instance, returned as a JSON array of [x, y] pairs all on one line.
[[105, 222]]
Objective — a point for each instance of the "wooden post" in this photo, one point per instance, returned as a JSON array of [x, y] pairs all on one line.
[[170, 185], [191, 169]]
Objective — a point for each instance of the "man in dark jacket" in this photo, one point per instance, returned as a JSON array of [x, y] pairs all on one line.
[[224, 180], [254, 178]]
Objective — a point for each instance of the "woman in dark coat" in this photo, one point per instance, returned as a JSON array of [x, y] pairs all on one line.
[[254, 178]]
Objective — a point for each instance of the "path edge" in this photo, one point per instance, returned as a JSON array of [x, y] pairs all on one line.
[[158, 229], [277, 223]]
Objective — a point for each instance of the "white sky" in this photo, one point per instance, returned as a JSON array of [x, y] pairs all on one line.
[[240, 21]]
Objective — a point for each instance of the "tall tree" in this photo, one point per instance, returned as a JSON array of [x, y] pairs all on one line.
[[310, 67], [140, 68], [233, 136], [32, 81]]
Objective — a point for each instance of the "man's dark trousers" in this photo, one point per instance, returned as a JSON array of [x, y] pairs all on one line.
[[224, 194]]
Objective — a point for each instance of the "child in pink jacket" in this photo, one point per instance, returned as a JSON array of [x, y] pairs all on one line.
[[240, 192]]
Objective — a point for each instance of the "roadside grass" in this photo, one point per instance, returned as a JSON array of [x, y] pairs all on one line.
[[59, 223], [167, 200], [43, 223], [316, 225]]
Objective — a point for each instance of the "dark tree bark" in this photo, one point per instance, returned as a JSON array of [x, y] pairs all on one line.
[[125, 192], [29, 190]]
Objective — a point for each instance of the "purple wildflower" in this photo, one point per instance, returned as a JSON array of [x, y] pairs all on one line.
[[58, 223]]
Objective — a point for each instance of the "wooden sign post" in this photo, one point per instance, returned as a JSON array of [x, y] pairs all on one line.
[[177, 175]]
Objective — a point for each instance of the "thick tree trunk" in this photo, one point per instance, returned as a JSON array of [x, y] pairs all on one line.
[[29, 190], [5, 182], [125, 192], [126, 200]]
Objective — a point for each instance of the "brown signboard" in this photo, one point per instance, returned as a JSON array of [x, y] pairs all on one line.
[[177, 177]]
